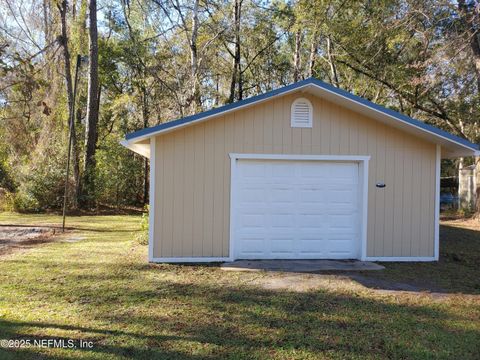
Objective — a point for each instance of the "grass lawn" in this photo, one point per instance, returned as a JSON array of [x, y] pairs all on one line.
[[102, 289]]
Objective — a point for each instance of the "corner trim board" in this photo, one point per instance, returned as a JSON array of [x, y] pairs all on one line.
[[438, 165], [233, 176], [363, 169], [151, 212]]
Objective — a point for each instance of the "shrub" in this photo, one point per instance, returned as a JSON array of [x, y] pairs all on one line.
[[20, 201], [119, 175], [142, 236], [41, 177], [6, 200]]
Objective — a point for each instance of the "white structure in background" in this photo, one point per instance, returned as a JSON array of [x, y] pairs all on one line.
[[466, 188]]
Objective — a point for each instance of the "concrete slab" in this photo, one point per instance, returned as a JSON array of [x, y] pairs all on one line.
[[303, 266], [74, 239]]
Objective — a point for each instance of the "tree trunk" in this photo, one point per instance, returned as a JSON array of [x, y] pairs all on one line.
[[66, 56], [47, 26], [331, 61], [240, 83], [195, 98], [63, 7], [296, 56], [236, 73], [76, 159], [145, 115], [313, 55], [91, 123], [74, 9], [217, 89]]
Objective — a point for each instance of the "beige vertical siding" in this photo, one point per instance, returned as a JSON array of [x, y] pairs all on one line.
[[192, 186]]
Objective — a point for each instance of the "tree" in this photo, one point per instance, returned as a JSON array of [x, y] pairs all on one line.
[[296, 56], [236, 80], [63, 7], [93, 103]]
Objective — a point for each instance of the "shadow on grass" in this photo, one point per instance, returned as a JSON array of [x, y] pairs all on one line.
[[457, 270], [164, 319]]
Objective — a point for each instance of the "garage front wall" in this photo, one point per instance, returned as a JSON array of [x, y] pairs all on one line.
[[192, 176]]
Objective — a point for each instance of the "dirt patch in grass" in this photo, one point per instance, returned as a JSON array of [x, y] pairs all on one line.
[[15, 238]]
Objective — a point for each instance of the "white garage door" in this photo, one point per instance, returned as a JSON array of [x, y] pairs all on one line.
[[285, 209]]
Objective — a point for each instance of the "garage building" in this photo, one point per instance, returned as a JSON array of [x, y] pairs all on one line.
[[307, 171]]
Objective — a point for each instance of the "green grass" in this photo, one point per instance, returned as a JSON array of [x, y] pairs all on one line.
[[458, 269], [102, 289]]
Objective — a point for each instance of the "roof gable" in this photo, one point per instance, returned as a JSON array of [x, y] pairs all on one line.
[[457, 146]]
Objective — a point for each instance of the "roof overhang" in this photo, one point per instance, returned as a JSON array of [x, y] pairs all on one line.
[[140, 147], [452, 146]]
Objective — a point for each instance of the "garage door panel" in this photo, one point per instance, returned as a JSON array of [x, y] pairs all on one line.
[[340, 209], [343, 181], [281, 170], [308, 246], [340, 247], [253, 194], [279, 195], [341, 196], [312, 234], [296, 210], [342, 221], [311, 170], [343, 171], [309, 221], [311, 207], [281, 245], [282, 220], [252, 221], [252, 245], [312, 195], [253, 170]]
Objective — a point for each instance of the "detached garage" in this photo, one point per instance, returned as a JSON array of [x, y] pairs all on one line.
[[307, 171]]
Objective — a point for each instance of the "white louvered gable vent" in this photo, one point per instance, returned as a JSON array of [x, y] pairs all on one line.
[[301, 113]]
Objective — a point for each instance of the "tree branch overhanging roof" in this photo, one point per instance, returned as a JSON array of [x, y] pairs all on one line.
[[458, 146]]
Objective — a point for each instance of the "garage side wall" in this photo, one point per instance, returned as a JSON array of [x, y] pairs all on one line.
[[192, 172]]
